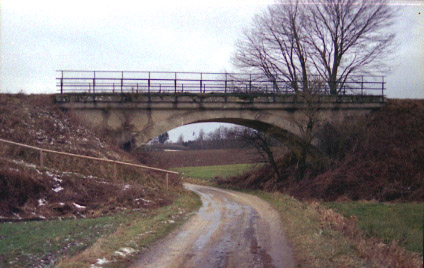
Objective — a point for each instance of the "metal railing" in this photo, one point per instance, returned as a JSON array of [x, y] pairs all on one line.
[[43, 151], [69, 81]]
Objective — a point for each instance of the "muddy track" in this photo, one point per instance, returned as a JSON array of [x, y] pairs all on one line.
[[231, 229]]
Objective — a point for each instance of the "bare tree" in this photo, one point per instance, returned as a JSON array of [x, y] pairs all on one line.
[[307, 123], [262, 143], [327, 40]]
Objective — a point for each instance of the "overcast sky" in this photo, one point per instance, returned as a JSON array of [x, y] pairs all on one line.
[[39, 37]]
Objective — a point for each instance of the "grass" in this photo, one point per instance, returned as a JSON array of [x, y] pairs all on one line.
[[315, 244], [400, 222], [210, 172], [136, 234], [43, 242], [26, 243]]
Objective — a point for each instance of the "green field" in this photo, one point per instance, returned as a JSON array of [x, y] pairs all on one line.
[[210, 172], [401, 222], [31, 242]]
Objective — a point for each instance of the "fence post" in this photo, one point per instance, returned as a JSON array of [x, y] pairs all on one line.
[[167, 181], [115, 173], [41, 159]]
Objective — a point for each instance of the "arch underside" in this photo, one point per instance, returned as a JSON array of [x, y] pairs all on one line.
[[282, 135]]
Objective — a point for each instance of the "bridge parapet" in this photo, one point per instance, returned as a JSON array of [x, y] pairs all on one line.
[[210, 98], [217, 85]]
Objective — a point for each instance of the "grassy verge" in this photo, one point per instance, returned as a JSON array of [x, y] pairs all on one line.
[[315, 244], [131, 238], [210, 172], [42, 243], [400, 222]]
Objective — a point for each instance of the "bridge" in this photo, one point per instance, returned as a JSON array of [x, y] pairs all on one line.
[[143, 105]]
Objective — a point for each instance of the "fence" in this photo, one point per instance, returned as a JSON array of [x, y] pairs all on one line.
[[42, 151], [69, 81]]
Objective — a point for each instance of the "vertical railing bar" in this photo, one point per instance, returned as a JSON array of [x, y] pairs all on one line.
[[250, 83], [61, 85], [94, 83], [175, 83], [201, 78], [148, 85], [382, 88], [122, 81]]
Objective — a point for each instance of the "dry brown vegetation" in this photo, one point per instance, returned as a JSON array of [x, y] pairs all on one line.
[[372, 250], [379, 157], [67, 186]]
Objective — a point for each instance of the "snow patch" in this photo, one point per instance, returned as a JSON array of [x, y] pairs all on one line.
[[144, 200], [123, 252], [126, 187], [78, 206], [41, 202], [57, 189], [102, 261]]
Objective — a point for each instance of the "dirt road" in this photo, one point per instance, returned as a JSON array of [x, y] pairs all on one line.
[[231, 229]]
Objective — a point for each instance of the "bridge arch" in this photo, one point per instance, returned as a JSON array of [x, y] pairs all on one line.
[[145, 117]]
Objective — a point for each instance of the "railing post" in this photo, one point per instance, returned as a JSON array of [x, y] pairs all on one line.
[[94, 82], [115, 173], [175, 83], [122, 82], [41, 159], [225, 90], [61, 85], [148, 88], [362, 85], [250, 84], [382, 89], [167, 181], [201, 82]]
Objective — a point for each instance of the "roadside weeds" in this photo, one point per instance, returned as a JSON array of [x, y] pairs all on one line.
[[324, 238]]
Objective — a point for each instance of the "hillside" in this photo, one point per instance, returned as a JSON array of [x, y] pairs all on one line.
[[378, 157], [67, 186]]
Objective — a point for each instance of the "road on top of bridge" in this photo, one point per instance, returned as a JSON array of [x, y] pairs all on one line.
[[231, 229]]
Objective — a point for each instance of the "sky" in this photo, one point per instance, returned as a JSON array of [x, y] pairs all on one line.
[[40, 37]]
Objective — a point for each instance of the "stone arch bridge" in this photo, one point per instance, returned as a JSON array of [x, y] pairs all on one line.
[[143, 105], [145, 117]]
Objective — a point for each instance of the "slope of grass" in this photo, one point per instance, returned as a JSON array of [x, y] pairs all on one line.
[[210, 172], [400, 222], [42, 243]]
